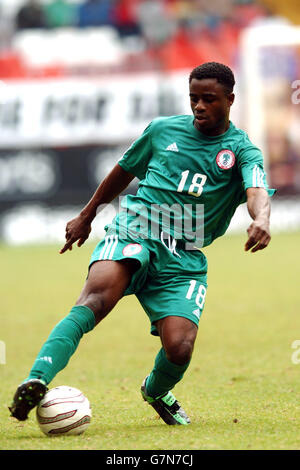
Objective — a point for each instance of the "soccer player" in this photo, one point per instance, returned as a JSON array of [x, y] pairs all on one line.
[[194, 171]]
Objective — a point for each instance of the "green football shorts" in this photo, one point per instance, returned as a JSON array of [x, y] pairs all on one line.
[[169, 281]]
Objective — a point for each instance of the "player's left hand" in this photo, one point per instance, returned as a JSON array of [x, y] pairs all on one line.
[[258, 236]]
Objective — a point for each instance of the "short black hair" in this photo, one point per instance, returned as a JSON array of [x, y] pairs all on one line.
[[222, 73]]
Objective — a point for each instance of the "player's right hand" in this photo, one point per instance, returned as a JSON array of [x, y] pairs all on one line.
[[258, 235], [77, 230]]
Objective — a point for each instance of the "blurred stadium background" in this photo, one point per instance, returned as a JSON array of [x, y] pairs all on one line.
[[81, 79]]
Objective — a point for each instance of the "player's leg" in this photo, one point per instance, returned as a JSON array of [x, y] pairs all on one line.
[[105, 285], [174, 301], [178, 335]]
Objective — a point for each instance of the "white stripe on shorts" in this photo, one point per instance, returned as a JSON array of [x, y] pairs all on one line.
[[113, 247], [104, 248], [109, 247]]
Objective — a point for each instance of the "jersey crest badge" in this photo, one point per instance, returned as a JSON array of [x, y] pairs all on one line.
[[132, 249], [225, 159]]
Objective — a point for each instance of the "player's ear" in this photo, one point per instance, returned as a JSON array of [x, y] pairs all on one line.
[[230, 98]]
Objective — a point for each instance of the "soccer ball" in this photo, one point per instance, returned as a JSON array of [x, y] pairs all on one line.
[[63, 410]]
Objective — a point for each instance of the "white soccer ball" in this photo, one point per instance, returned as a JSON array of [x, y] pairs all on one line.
[[63, 411]]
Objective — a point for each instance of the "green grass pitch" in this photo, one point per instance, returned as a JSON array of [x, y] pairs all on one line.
[[241, 390]]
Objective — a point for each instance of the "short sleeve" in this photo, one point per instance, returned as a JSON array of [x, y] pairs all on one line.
[[135, 160], [251, 167]]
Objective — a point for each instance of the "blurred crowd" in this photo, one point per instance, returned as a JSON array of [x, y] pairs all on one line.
[[136, 16], [155, 19], [175, 33]]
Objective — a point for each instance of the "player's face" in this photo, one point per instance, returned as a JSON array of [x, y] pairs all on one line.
[[210, 103]]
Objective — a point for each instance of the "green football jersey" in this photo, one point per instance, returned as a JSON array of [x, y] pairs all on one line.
[[190, 184]]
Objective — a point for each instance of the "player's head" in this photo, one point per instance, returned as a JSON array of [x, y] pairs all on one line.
[[222, 73], [211, 95]]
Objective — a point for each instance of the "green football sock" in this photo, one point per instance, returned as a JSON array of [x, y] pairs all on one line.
[[164, 375], [62, 343]]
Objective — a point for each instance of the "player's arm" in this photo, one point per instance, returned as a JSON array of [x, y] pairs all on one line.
[[133, 163], [258, 205], [79, 228]]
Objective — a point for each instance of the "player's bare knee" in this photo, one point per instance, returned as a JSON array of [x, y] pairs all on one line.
[[95, 302], [180, 352]]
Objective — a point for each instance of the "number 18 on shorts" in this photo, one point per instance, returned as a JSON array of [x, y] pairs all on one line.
[[179, 296]]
